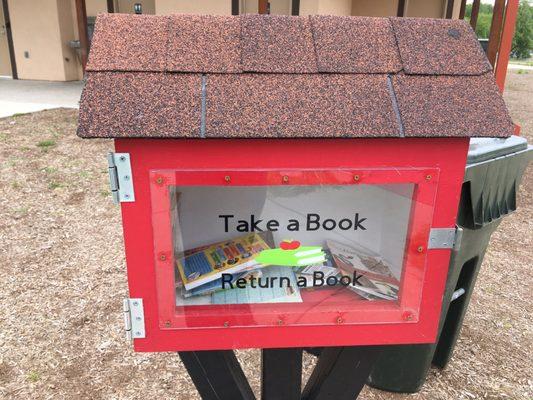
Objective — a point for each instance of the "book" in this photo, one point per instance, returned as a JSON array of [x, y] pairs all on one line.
[[375, 290], [197, 267], [350, 260], [216, 285]]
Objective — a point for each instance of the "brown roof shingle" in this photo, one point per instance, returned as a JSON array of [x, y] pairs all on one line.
[[273, 76], [204, 43], [150, 104], [282, 44], [451, 106], [124, 42], [355, 45], [439, 47], [329, 105]]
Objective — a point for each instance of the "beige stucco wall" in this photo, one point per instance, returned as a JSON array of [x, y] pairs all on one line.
[[217, 7], [126, 6], [95, 7], [280, 7], [42, 29], [325, 7], [426, 8], [375, 8], [349, 7]]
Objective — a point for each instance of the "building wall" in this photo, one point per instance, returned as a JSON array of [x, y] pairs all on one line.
[[40, 32], [375, 8], [217, 7], [280, 7], [95, 7], [126, 6], [335, 7], [426, 8]]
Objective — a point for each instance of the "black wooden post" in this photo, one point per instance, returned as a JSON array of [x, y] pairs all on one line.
[[340, 373], [217, 375], [281, 374]]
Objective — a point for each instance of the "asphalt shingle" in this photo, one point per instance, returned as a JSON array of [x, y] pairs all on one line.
[[123, 42], [439, 47], [277, 44], [299, 105], [451, 106], [204, 43], [150, 104], [355, 45]]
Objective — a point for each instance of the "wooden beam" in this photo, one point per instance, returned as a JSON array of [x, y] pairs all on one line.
[[110, 6], [281, 374], [475, 13], [263, 6], [506, 43], [449, 9], [217, 375], [462, 10], [341, 372], [81, 17], [401, 8], [495, 31], [9, 34]]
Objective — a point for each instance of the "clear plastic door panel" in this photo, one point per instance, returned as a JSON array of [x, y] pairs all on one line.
[[299, 247]]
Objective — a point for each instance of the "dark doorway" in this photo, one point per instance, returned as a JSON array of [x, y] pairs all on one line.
[[5, 27]]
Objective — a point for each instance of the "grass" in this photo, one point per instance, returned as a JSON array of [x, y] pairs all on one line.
[[34, 376], [55, 185], [526, 61], [46, 144], [18, 114]]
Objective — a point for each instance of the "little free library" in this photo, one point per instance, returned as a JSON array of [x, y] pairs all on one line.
[[286, 182]]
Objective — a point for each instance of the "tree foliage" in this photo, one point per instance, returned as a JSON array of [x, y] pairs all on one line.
[[523, 38]]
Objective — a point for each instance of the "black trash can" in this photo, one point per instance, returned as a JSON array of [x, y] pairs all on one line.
[[494, 170]]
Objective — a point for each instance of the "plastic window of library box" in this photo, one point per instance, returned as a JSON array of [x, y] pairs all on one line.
[[306, 253]]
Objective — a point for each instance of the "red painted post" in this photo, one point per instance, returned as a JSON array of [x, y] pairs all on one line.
[[506, 42]]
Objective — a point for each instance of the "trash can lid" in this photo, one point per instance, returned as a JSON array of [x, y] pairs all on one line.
[[482, 149]]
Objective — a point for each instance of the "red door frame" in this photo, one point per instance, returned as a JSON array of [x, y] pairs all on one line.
[[448, 155]]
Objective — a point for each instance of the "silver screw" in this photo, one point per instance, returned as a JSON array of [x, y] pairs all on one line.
[[135, 303], [126, 177], [122, 158]]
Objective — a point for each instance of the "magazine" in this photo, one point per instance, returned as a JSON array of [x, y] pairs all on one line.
[[375, 290], [349, 260], [216, 285], [199, 266]]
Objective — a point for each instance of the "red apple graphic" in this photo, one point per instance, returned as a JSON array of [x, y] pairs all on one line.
[[289, 244]]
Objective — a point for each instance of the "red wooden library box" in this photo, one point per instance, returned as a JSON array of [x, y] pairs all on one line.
[[287, 181]]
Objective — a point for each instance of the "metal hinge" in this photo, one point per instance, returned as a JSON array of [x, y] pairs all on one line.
[[120, 178], [445, 238], [134, 319]]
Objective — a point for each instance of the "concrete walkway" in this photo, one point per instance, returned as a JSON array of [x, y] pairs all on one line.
[[520, 66], [22, 96]]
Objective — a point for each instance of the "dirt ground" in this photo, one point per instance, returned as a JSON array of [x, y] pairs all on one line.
[[62, 281]]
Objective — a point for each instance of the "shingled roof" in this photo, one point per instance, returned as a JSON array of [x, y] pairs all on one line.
[[189, 76]]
